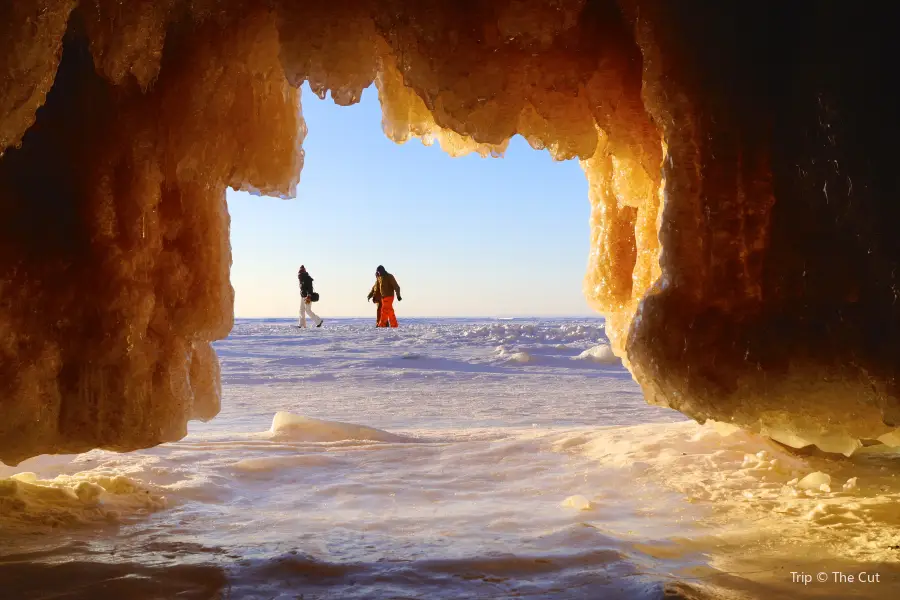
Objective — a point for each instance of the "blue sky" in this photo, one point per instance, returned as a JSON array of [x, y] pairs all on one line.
[[465, 236]]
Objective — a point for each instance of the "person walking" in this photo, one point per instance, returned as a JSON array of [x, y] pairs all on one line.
[[307, 297], [375, 296], [387, 286]]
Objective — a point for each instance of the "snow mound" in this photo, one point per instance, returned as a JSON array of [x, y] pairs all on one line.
[[519, 357], [72, 500], [297, 428], [601, 353]]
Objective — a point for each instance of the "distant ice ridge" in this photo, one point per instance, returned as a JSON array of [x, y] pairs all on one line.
[[506, 333], [600, 354], [297, 428]]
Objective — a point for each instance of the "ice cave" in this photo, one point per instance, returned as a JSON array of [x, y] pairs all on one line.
[[741, 159]]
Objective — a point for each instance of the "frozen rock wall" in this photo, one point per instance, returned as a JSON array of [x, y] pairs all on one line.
[[741, 161], [114, 250]]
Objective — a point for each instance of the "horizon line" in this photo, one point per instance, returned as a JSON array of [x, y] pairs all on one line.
[[516, 316]]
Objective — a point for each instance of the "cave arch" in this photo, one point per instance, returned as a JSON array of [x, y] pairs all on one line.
[[756, 139]]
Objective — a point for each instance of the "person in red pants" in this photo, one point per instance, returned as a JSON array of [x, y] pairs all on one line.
[[387, 286]]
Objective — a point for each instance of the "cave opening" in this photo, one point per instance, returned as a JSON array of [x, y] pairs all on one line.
[[741, 168], [467, 236], [135, 142]]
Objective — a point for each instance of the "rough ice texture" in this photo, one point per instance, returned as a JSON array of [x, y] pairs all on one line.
[[27, 502], [741, 163], [114, 252]]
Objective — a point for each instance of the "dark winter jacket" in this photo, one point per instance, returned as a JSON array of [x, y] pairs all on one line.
[[306, 284], [387, 285]]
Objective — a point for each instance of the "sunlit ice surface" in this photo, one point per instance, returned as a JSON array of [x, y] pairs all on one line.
[[447, 459]]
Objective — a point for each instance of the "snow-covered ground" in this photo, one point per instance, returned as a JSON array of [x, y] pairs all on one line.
[[445, 459]]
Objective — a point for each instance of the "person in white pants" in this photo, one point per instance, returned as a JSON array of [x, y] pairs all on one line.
[[306, 309], [306, 292]]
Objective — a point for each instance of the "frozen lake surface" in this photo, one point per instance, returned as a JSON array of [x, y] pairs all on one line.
[[444, 459]]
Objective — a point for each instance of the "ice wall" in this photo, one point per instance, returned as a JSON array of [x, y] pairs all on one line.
[[114, 250], [741, 162]]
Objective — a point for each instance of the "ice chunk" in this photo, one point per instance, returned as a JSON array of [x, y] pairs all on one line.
[[578, 502], [519, 357], [287, 426], [69, 500], [814, 481], [600, 353]]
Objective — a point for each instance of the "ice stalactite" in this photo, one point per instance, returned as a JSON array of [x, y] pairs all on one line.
[[114, 251], [741, 163], [31, 35]]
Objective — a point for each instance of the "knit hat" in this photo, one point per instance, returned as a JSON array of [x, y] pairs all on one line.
[[380, 269]]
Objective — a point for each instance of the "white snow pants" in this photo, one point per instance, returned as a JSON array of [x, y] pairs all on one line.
[[306, 309]]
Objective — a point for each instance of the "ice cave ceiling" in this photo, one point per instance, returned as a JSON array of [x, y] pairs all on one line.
[[742, 161]]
